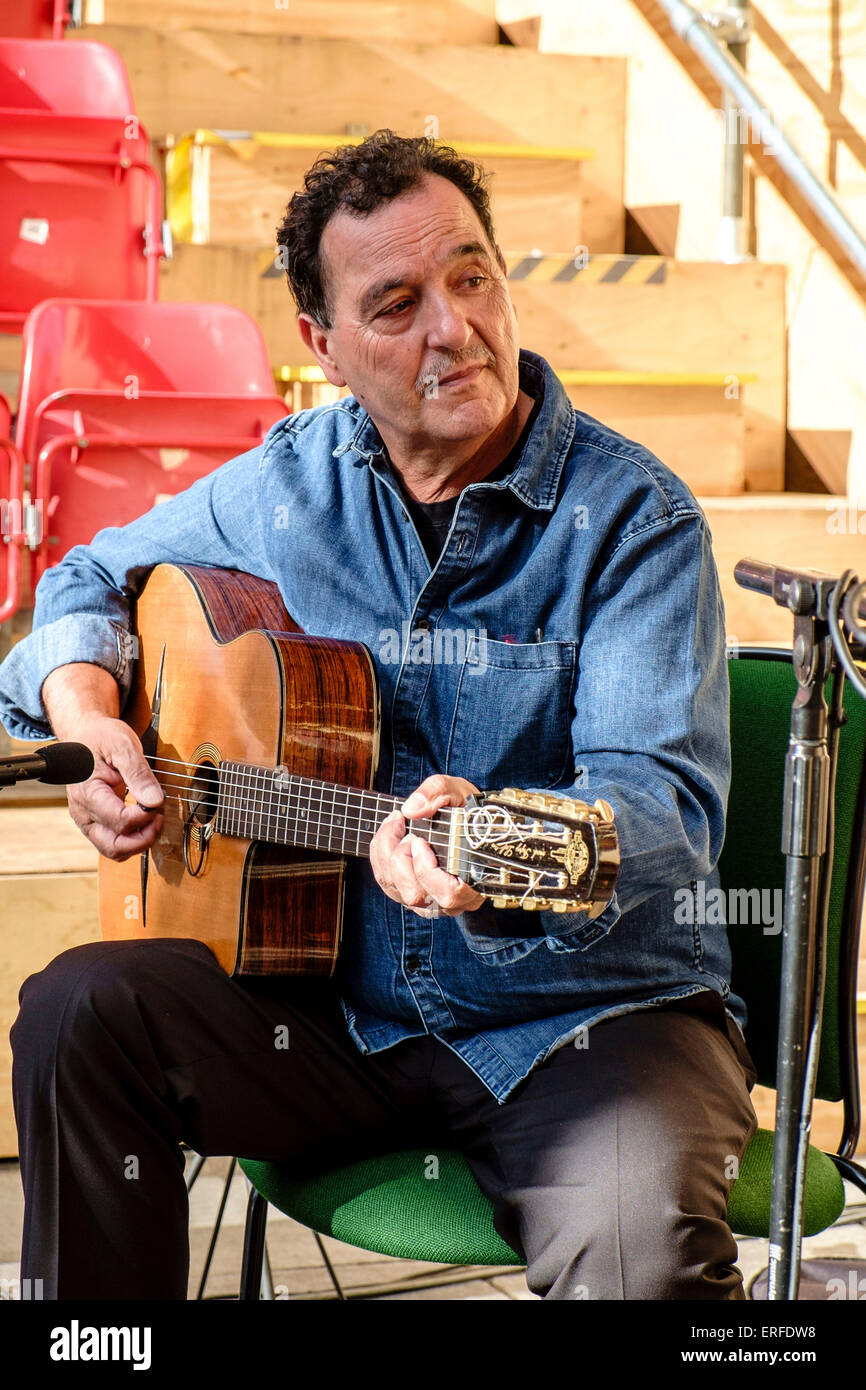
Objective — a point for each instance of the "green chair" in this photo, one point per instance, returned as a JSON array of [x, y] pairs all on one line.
[[386, 1204]]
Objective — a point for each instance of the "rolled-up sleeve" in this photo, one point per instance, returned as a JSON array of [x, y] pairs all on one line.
[[82, 608]]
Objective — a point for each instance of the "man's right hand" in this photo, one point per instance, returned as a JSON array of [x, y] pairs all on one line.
[[82, 703], [116, 827]]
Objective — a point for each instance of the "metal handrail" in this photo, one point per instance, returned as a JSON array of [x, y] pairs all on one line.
[[691, 26]]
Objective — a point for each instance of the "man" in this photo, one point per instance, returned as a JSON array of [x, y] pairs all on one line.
[[593, 1072]]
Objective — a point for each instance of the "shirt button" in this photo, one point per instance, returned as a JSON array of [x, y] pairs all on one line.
[[413, 965], [422, 625]]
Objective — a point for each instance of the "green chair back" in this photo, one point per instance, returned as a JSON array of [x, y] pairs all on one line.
[[763, 686]]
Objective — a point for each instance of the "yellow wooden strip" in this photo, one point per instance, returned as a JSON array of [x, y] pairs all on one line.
[[178, 188], [612, 378], [285, 140], [579, 377]]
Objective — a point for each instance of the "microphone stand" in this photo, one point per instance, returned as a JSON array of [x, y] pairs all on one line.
[[821, 649]]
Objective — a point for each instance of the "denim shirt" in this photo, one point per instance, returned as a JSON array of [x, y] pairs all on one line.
[[580, 650]]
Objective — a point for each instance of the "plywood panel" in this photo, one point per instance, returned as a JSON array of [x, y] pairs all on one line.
[[694, 430], [703, 318], [448, 21], [197, 78], [40, 916], [39, 840], [798, 530], [536, 203]]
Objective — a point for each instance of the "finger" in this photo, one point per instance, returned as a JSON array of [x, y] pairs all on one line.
[[130, 763], [434, 793], [100, 802], [382, 847], [119, 847], [402, 874], [451, 893]]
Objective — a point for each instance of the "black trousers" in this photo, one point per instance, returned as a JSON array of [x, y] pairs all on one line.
[[609, 1166]]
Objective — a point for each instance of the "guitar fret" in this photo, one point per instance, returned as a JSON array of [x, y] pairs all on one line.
[[255, 803]]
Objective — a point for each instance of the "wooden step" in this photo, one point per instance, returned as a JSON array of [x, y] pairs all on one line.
[[226, 192], [798, 530], [817, 460], [246, 82], [689, 424], [682, 316], [47, 905], [694, 429], [629, 314], [414, 21]]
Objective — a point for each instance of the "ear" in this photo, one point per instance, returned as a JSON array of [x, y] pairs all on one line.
[[316, 339]]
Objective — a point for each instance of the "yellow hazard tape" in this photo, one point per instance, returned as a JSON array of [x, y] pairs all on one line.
[[187, 171], [536, 268]]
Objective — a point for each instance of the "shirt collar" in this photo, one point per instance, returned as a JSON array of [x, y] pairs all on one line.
[[535, 479]]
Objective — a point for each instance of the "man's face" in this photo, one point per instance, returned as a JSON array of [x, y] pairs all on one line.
[[418, 296]]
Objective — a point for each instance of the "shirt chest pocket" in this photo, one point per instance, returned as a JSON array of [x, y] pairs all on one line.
[[513, 713]]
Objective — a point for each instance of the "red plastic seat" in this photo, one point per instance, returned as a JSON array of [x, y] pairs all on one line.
[[80, 202], [126, 403], [11, 516], [34, 19]]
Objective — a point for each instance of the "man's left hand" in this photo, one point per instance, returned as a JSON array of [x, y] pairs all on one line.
[[405, 866]]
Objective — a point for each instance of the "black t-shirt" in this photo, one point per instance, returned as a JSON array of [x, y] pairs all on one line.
[[433, 519]]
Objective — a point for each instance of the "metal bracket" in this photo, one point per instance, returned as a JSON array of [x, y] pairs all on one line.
[[730, 25]]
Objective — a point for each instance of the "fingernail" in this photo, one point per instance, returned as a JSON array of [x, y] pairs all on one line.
[[412, 805]]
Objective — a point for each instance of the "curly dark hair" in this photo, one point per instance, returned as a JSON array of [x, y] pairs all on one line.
[[359, 179]]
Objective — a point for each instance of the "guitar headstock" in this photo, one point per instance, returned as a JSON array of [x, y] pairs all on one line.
[[536, 851]]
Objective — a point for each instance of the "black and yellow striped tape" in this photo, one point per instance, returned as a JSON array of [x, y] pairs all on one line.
[[590, 270]]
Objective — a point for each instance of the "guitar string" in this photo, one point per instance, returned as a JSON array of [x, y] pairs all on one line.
[[240, 778], [324, 818], [357, 831]]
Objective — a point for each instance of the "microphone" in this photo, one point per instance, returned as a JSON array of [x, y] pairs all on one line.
[[56, 763]]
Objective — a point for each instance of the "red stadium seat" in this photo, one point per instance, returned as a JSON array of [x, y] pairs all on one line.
[[37, 19], [11, 516], [126, 403], [80, 202]]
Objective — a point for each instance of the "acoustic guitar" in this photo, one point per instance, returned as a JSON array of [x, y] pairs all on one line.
[[265, 740]]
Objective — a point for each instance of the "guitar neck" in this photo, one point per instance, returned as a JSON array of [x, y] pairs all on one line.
[[259, 803]]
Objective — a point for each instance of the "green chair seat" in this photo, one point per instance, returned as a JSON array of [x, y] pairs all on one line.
[[386, 1204], [749, 1200]]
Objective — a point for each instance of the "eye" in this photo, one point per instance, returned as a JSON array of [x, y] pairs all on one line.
[[393, 308], [479, 278]]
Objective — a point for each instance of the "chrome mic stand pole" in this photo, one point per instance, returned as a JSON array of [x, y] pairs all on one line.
[[808, 862]]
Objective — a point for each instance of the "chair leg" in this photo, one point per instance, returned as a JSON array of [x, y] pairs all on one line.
[[254, 1247], [850, 1170], [195, 1167], [216, 1229], [330, 1268]]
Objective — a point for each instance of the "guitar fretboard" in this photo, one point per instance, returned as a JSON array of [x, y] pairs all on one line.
[[257, 803]]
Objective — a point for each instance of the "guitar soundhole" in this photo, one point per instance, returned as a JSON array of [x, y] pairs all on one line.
[[204, 793], [202, 799]]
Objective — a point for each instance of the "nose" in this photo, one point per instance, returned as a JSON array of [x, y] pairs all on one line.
[[447, 325]]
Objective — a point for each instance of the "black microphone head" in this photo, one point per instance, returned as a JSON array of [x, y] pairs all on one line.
[[66, 762]]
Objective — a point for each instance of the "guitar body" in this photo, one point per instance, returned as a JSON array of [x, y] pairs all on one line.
[[240, 682]]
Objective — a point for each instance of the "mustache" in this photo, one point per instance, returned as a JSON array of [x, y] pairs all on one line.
[[428, 379]]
